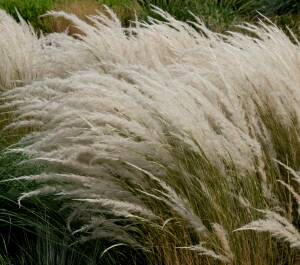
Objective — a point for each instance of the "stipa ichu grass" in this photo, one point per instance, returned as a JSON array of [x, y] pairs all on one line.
[[162, 136]]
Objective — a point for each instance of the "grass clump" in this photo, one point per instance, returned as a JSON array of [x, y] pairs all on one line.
[[161, 143]]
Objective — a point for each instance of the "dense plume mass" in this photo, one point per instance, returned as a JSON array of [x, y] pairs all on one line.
[[162, 120]]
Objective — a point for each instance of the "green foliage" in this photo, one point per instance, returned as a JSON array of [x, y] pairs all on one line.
[[281, 7], [219, 15], [28, 9]]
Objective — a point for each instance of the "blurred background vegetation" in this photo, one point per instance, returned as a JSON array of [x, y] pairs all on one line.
[[219, 15]]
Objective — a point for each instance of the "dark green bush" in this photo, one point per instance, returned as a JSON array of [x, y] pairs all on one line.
[[281, 7]]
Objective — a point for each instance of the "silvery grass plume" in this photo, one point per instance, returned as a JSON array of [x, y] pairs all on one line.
[[223, 65], [279, 226], [18, 51], [166, 122], [26, 57]]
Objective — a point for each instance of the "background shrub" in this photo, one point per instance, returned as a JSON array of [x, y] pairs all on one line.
[[28, 9], [219, 15]]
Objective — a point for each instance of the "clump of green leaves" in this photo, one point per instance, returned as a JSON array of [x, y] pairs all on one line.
[[28, 9]]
